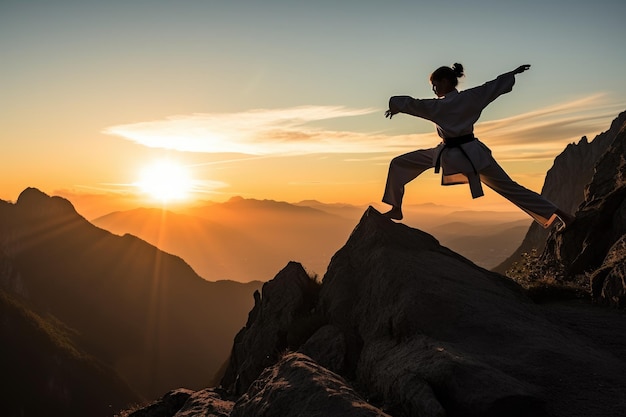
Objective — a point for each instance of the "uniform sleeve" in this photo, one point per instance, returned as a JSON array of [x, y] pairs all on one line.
[[412, 106], [493, 89]]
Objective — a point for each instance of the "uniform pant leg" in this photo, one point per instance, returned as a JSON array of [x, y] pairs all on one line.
[[402, 170], [534, 204]]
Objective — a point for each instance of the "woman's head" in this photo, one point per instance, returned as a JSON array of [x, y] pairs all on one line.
[[445, 79]]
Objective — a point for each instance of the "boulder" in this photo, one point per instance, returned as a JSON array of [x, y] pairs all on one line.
[[206, 403], [297, 386], [608, 283], [187, 403]]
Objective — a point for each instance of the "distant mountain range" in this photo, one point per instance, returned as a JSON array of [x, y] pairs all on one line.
[[242, 239], [248, 239]]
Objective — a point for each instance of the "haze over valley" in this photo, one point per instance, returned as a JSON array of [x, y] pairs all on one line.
[[247, 240]]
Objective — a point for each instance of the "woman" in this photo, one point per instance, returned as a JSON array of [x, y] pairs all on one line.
[[463, 158]]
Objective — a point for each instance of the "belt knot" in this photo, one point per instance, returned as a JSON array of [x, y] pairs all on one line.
[[456, 143]]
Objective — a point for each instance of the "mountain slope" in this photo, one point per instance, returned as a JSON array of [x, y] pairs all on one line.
[[140, 310], [39, 361]]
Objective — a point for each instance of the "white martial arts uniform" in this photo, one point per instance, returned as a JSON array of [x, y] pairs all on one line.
[[455, 115]]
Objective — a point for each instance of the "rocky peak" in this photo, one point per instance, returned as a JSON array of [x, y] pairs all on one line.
[[565, 183], [269, 331], [610, 171], [34, 200], [590, 243]]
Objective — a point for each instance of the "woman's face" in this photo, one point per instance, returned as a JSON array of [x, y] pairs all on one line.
[[442, 87]]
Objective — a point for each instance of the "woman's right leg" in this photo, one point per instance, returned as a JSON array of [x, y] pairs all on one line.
[[402, 170]]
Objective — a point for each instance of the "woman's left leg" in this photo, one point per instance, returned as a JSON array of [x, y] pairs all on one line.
[[542, 210]]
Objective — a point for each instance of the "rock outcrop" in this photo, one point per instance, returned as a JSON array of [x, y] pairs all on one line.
[[405, 327], [608, 283], [271, 329], [279, 392], [592, 244], [565, 183]]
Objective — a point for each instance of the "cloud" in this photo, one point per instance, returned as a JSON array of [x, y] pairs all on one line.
[[254, 132], [543, 133], [539, 134]]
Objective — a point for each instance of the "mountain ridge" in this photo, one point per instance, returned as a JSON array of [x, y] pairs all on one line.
[[112, 289]]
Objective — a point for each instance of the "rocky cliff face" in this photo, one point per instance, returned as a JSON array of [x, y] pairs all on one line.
[[594, 244], [402, 326], [565, 184]]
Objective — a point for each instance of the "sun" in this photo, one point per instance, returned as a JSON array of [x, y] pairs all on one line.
[[165, 181]]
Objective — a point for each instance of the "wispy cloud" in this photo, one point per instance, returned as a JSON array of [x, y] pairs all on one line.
[[254, 132], [539, 134], [543, 133]]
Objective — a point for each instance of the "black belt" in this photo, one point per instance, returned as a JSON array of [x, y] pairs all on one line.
[[456, 143]]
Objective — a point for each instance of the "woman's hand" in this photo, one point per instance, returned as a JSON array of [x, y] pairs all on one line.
[[521, 69], [389, 114]]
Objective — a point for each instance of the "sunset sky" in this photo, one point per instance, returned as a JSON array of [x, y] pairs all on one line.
[[284, 100]]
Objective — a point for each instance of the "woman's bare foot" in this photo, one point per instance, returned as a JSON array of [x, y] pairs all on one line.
[[566, 218], [395, 213]]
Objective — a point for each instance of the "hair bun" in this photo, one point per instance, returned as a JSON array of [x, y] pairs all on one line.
[[458, 69]]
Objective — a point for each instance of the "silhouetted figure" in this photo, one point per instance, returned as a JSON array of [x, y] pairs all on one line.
[[462, 157]]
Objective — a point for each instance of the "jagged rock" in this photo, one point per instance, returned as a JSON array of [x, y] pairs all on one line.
[[565, 183], [298, 387], [35, 203], [328, 347], [272, 324], [608, 283], [600, 220], [186, 403]]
